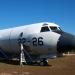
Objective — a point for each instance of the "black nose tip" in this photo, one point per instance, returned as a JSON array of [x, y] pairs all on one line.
[[66, 42]]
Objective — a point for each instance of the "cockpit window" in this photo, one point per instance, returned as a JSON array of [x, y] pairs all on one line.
[[53, 28], [44, 29]]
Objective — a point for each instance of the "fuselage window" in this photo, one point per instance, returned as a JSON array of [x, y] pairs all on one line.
[[44, 29]]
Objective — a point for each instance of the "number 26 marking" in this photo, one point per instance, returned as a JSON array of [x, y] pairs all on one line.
[[37, 41]]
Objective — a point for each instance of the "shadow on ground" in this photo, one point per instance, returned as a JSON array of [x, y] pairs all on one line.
[[12, 62], [16, 62]]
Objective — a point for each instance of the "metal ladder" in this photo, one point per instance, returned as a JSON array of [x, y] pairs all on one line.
[[22, 55]]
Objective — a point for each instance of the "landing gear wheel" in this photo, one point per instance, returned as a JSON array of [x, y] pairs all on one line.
[[44, 62]]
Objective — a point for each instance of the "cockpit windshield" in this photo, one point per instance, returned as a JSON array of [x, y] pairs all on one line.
[[50, 28], [54, 28], [45, 29]]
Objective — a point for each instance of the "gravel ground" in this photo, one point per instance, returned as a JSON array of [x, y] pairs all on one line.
[[60, 66]]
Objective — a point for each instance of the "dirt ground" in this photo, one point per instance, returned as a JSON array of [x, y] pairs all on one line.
[[59, 66]]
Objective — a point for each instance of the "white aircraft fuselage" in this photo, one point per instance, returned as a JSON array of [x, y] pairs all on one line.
[[40, 39]]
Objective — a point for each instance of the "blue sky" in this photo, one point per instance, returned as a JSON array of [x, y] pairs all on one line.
[[20, 12]]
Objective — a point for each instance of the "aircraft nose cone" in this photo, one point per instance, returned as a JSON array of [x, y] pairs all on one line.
[[66, 42]]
